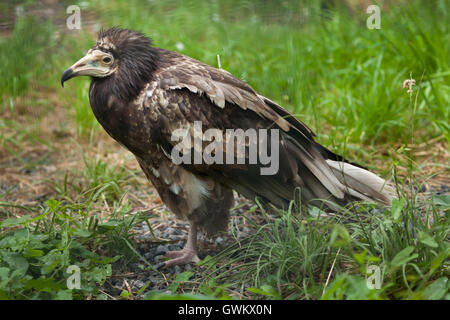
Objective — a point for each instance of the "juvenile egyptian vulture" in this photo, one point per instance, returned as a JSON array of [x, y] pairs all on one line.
[[199, 133]]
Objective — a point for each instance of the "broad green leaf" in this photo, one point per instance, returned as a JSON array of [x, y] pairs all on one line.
[[442, 200], [82, 233], [360, 257], [403, 257], [52, 204], [64, 295], [13, 222], [32, 253], [181, 277], [437, 289], [184, 276], [427, 240], [110, 224], [266, 290], [15, 261], [44, 284], [437, 261], [396, 209], [4, 277], [339, 236]]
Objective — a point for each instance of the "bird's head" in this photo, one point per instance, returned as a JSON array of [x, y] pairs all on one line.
[[120, 53]]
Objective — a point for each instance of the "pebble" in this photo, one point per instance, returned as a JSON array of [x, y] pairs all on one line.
[[376, 211], [139, 284], [157, 233], [141, 237], [161, 249], [178, 269], [170, 230], [149, 255], [158, 267], [115, 291], [173, 237], [174, 247]]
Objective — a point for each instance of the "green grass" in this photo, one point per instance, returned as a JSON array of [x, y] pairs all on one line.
[[339, 77], [37, 249], [329, 70], [291, 256], [23, 49]]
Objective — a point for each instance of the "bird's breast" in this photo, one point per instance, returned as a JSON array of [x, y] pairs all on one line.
[[123, 121]]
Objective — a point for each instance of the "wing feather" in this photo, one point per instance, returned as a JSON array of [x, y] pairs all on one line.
[[220, 87], [187, 91]]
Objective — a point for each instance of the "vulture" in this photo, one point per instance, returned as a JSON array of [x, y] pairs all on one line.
[[149, 99]]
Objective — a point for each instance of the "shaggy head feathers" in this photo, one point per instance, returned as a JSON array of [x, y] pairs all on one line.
[[134, 58]]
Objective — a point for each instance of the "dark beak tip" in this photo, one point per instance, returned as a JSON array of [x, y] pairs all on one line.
[[68, 74]]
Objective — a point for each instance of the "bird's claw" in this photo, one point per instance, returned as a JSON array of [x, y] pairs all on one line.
[[181, 257]]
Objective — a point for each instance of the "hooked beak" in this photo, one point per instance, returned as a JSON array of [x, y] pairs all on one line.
[[68, 74], [89, 65]]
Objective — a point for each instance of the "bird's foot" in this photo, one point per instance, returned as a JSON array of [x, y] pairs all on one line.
[[184, 256]]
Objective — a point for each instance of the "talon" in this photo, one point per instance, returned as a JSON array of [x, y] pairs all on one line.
[[174, 254], [189, 252], [184, 256]]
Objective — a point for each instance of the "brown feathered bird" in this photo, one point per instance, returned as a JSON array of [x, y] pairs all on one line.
[[141, 95]]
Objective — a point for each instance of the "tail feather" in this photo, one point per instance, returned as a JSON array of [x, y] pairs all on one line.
[[361, 183], [337, 181]]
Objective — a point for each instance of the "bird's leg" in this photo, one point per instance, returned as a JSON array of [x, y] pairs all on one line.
[[189, 252]]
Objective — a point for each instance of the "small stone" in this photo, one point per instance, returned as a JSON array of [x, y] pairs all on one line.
[[139, 284], [115, 292], [148, 255], [177, 269], [156, 278], [178, 231], [119, 283], [170, 230], [246, 229], [135, 267], [27, 171], [157, 233], [141, 237], [161, 250], [376, 211], [219, 240], [173, 237], [174, 247]]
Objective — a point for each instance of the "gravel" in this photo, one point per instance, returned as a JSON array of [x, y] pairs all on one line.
[[168, 234], [161, 249]]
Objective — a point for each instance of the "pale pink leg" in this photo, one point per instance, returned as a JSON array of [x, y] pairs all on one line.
[[189, 252]]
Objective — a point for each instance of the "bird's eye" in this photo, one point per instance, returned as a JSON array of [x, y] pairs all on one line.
[[107, 59]]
